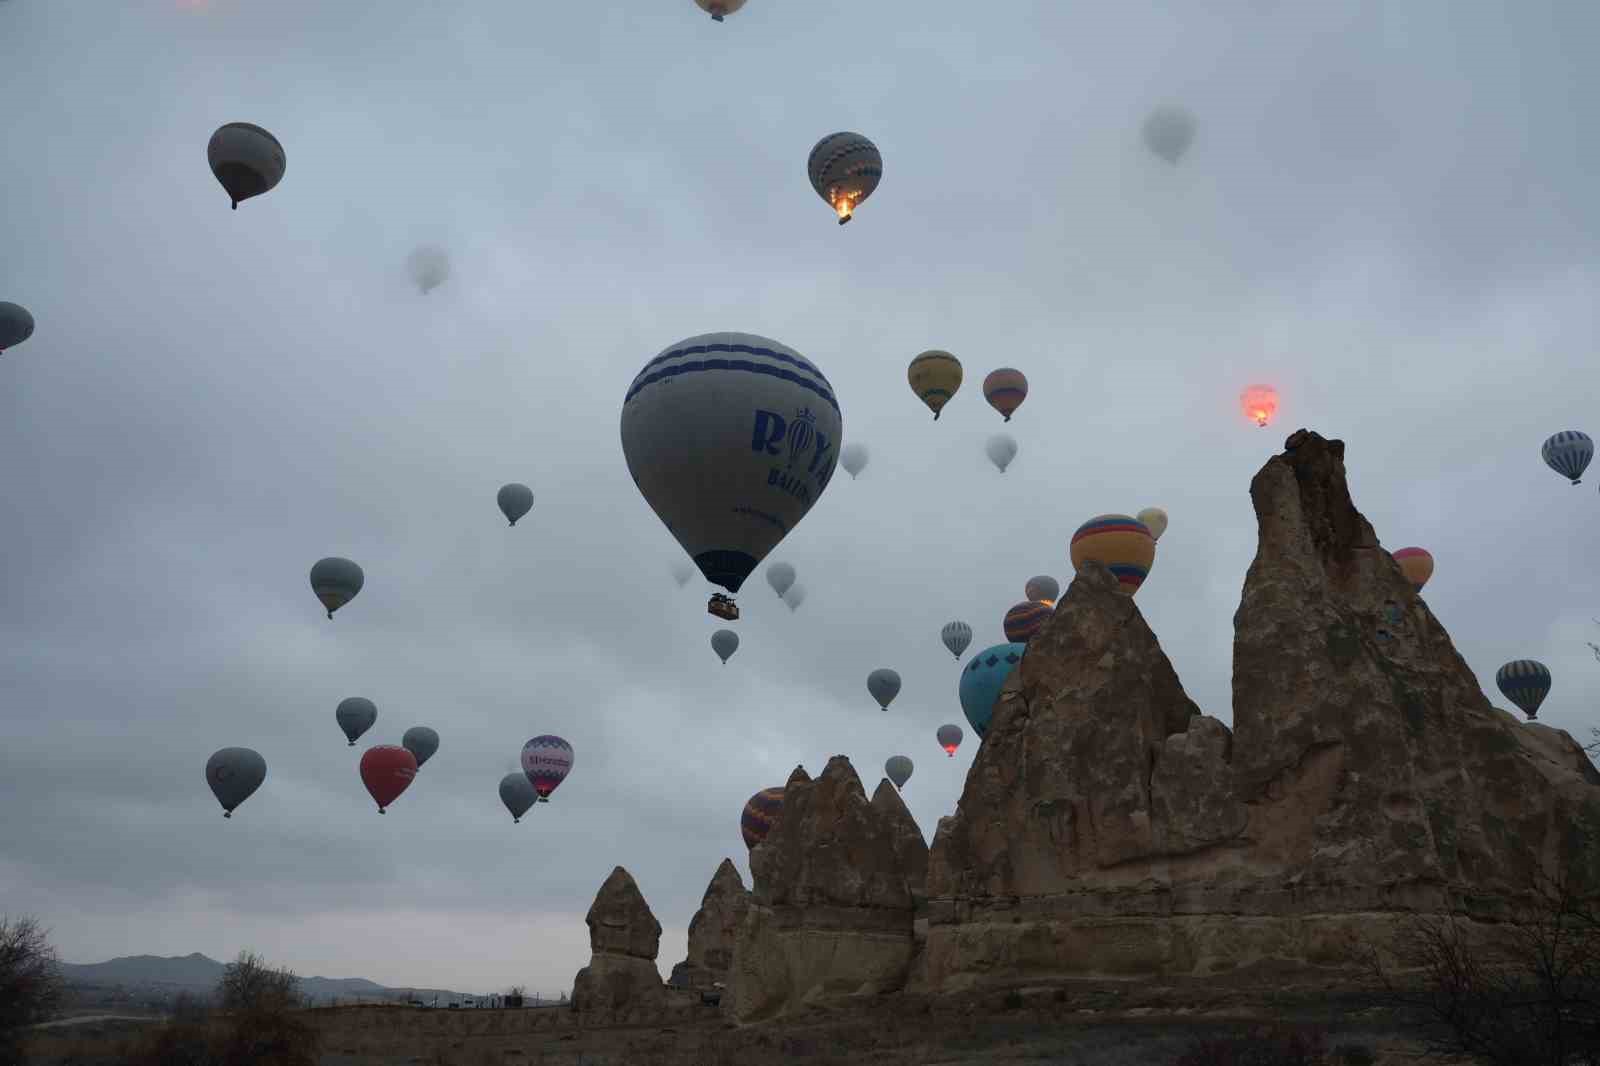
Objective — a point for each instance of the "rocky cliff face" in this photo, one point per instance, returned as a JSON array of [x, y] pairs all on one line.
[[712, 930], [621, 981], [1107, 827]]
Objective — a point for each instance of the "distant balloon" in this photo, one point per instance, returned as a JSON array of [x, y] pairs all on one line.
[[718, 8], [949, 737], [234, 774], [1005, 389], [1567, 453], [781, 577], [246, 159], [898, 769], [387, 770], [681, 573], [1026, 619], [1168, 132], [355, 716], [1525, 683], [547, 760], [956, 637], [1260, 403], [760, 811], [853, 459], [517, 794], [1002, 448], [1416, 564], [336, 582], [1155, 520], [429, 267], [884, 684], [981, 679], [795, 597], [516, 500], [724, 642], [1043, 588], [420, 741], [16, 325], [1121, 543], [935, 376], [844, 169]]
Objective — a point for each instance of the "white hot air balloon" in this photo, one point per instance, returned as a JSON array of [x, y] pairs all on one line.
[[854, 459], [1002, 448], [1156, 519], [795, 596], [428, 266]]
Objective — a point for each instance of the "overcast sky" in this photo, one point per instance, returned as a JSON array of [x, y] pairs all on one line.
[[1389, 212]]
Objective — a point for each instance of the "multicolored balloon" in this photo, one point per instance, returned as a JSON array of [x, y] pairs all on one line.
[[246, 160], [884, 685], [387, 770], [935, 376], [760, 811], [420, 741], [898, 768], [1260, 403], [1002, 448], [1567, 453], [844, 169], [1026, 619], [234, 774], [517, 794], [981, 679], [1005, 389], [1044, 588], [1155, 519], [355, 716], [1526, 683], [956, 637], [547, 760], [724, 642], [1416, 564], [949, 737], [336, 582], [1121, 543]]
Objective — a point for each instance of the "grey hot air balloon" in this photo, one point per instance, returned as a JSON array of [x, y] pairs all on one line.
[[516, 500], [420, 741], [781, 577], [854, 459], [1168, 132], [884, 684], [16, 325], [234, 774], [956, 637], [355, 716], [795, 596], [246, 159], [517, 793], [844, 169], [429, 267], [1042, 588], [681, 573], [724, 642], [1002, 448], [336, 582], [717, 9], [949, 736], [898, 768]]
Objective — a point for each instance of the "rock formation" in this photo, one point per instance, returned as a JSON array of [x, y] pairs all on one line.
[[712, 930], [910, 850], [621, 981], [1108, 828]]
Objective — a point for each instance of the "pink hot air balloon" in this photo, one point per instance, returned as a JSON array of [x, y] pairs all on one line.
[[547, 761]]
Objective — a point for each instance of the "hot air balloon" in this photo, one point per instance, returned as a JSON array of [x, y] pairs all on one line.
[[1026, 619], [898, 769], [517, 794], [420, 741], [949, 737], [1416, 564], [336, 582], [387, 770], [935, 376], [1043, 588], [16, 325], [724, 642], [1005, 389], [1525, 683], [355, 716], [781, 577], [1168, 132], [731, 438], [547, 761], [246, 159], [956, 637], [234, 774], [844, 169], [681, 573], [1122, 544], [1155, 520], [1002, 448], [853, 459], [884, 684], [429, 267], [760, 811], [1567, 453], [1260, 403], [981, 679], [718, 8], [516, 500], [795, 597]]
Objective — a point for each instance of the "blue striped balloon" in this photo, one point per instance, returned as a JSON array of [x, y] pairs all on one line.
[[1525, 683], [1568, 453]]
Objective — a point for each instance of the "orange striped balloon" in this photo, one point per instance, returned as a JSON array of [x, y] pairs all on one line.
[[1416, 564], [1026, 619], [1005, 389], [1121, 543]]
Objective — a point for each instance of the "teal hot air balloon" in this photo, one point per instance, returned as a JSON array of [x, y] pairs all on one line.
[[515, 500], [898, 769], [1526, 683], [884, 685], [421, 742], [355, 716], [234, 774], [336, 582], [981, 679]]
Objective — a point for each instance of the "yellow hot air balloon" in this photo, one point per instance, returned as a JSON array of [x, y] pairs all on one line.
[[1416, 564], [935, 376], [1122, 544]]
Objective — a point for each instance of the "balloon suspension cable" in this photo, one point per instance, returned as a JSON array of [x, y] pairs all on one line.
[[352, 743]]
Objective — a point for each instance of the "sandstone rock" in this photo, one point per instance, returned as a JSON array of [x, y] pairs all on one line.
[[713, 929], [910, 849], [621, 981]]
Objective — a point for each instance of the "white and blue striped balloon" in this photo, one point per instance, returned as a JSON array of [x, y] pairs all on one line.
[[1524, 682], [1568, 453]]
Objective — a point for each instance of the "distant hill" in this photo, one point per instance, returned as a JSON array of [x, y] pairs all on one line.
[[198, 975]]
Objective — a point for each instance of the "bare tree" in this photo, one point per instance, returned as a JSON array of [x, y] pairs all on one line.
[[248, 983], [30, 981]]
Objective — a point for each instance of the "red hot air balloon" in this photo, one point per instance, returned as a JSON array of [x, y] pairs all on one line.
[[387, 770], [1260, 403], [1005, 389]]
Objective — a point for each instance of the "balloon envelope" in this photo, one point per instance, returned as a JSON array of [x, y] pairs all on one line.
[[719, 8], [1121, 543], [853, 459], [949, 737], [844, 169], [516, 500], [935, 375], [731, 438], [246, 160], [1005, 389], [234, 774], [547, 760], [355, 716], [956, 637], [1567, 453], [781, 577], [1026, 619], [795, 597], [1526, 683], [898, 769], [1259, 403], [1002, 448], [981, 679], [16, 325], [429, 267], [884, 684], [517, 794], [420, 741], [1042, 587], [1416, 564], [387, 770], [724, 642], [760, 811], [336, 582], [1155, 520], [1168, 132], [681, 573]]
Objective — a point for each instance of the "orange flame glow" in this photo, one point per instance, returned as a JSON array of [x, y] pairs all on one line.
[[844, 207], [1259, 403]]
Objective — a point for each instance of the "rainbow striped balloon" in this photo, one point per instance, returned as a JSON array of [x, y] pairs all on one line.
[[1416, 564], [1005, 389], [1026, 619], [760, 811], [1121, 543]]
